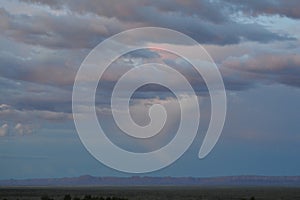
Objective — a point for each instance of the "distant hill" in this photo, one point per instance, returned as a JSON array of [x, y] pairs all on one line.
[[87, 180]]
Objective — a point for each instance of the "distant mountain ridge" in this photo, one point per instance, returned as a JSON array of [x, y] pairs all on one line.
[[88, 180]]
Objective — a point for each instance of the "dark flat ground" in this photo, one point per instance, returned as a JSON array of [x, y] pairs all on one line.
[[160, 193]]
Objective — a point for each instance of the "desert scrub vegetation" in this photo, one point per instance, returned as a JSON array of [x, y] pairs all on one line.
[[86, 197]]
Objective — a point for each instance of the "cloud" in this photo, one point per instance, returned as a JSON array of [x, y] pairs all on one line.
[[9, 113], [269, 68], [57, 32], [215, 11], [31, 96], [41, 51], [136, 10], [241, 69], [22, 129], [4, 130], [288, 8], [24, 122], [85, 25], [45, 67]]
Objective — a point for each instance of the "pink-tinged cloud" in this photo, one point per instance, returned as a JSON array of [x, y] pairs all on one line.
[[280, 68]]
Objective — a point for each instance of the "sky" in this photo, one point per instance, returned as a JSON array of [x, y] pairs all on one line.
[[255, 45]]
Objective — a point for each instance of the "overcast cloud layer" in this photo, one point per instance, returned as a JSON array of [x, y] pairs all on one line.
[[44, 42], [255, 44]]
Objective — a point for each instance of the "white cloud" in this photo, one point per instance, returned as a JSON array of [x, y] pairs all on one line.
[[4, 129], [23, 129], [4, 107], [24, 122], [7, 112]]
